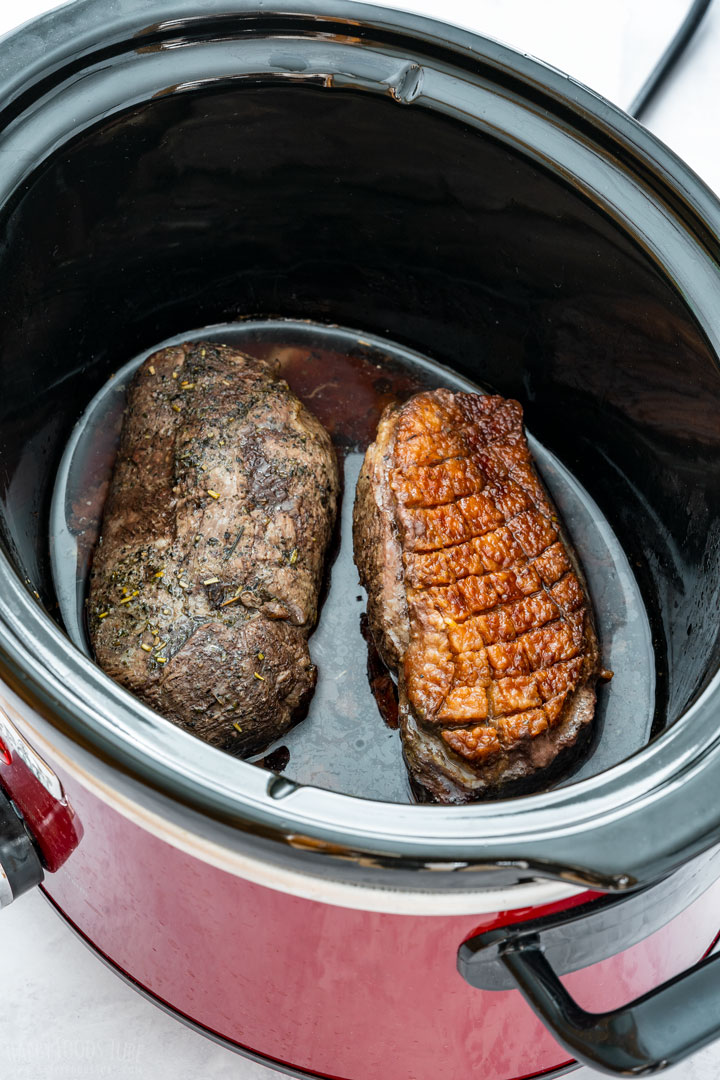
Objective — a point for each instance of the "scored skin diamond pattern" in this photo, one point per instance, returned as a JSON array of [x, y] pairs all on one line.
[[497, 615]]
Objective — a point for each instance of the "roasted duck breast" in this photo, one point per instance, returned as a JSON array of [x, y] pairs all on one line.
[[475, 597]]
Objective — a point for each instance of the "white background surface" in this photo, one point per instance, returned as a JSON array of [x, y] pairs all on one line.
[[63, 1015]]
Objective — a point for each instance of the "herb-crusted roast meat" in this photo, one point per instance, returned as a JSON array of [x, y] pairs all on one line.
[[205, 580]]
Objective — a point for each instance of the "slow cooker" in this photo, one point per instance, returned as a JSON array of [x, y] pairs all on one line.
[[167, 166]]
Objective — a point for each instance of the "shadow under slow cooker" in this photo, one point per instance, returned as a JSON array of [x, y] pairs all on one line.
[[222, 203]]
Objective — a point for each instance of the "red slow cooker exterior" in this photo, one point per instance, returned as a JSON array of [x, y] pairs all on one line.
[[321, 988]]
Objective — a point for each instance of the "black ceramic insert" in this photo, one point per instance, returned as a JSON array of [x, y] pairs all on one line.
[[342, 207]]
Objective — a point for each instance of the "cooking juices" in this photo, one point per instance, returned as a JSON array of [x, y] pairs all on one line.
[[348, 742]]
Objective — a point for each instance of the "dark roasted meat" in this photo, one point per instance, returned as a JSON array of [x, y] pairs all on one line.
[[474, 596], [205, 580]]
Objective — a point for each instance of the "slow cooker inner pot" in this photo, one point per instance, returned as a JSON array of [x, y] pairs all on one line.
[[349, 742], [346, 207]]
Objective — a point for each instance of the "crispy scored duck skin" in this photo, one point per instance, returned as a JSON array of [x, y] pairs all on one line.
[[205, 580], [475, 597]]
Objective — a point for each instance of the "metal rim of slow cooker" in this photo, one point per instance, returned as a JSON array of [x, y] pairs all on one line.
[[638, 836]]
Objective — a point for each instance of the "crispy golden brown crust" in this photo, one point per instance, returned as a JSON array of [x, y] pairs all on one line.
[[497, 676], [206, 577]]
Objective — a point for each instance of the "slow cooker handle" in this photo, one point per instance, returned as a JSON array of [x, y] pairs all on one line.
[[652, 1033], [39, 829], [20, 866]]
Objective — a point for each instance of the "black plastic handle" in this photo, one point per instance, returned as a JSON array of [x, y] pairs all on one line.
[[20, 866], [652, 1033]]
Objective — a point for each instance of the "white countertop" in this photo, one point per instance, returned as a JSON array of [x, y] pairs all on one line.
[[63, 1015]]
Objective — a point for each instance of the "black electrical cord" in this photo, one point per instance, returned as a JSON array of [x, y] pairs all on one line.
[[669, 59]]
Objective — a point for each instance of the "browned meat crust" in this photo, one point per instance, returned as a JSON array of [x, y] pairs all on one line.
[[205, 579], [475, 597]]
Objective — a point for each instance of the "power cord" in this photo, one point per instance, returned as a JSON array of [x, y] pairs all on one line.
[[658, 76]]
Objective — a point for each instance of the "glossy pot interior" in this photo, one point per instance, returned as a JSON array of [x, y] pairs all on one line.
[[191, 192]]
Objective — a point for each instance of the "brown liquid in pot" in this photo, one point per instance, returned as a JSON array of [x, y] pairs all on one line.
[[349, 741]]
